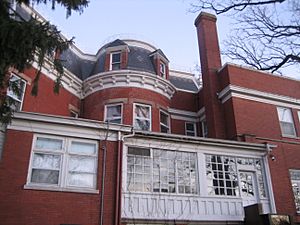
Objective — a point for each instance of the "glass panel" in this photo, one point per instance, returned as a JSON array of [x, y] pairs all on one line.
[[46, 161], [116, 57], [44, 176], [82, 164], [287, 128], [83, 148], [116, 66], [117, 121], [190, 127], [285, 115], [48, 143], [113, 113], [16, 88], [138, 151], [221, 175], [81, 179], [142, 124], [142, 111], [164, 119]]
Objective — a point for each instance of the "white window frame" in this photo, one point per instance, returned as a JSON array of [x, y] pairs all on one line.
[[188, 131], [204, 132], [162, 69], [65, 155], [168, 126], [176, 174], [289, 110], [12, 95], [296, 183], [113, 63], [113, 118], [142, 118]]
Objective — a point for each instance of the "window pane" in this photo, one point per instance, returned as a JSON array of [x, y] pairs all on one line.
[[164, 129], [83, 148], [190, 126], [82, 164], [138, 151], [285, 114], [116, 57], [81, 179], [48, 143], [287, 128], [164, 119], [142, 111], [113, 111], [116, 66], [16, 88], [44, 176], [295, 179], [142, 124], [46, 161], [221, 175]]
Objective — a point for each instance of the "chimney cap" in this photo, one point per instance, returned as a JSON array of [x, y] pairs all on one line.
[[206, 16]]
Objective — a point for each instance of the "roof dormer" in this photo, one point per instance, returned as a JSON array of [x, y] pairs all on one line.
[[116, 55], [161, 63]]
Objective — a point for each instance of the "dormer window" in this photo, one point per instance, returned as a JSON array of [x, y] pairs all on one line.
[[115, 60], [162, 70]]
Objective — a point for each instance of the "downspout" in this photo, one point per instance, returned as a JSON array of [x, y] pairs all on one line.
[[119, 176], [103, 176], [103, 183]]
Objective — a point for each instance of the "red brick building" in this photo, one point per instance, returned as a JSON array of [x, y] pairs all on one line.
[[129, 141]]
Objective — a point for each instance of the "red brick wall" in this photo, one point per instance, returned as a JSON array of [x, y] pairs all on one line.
[[178, 126], [94, 104], [33, 207], [210, 64], [286, 157], [262, 81], [185, 101], [261, 120], [47, 101]]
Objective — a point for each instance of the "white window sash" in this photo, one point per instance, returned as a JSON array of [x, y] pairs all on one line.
[[22, 91], [285, 116], [115, 62], [136, 117], [107, 118], [187, 131], [167, 126], [65, 156]]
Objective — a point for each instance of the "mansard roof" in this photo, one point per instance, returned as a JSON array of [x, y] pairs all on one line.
[[139, 59]]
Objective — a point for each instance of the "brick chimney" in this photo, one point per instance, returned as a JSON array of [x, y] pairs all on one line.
[[210, 60]]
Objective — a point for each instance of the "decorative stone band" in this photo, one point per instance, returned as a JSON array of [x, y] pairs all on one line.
[[258, 96], [128, 78]]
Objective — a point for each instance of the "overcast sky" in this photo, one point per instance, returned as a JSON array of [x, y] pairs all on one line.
[[166, 24]]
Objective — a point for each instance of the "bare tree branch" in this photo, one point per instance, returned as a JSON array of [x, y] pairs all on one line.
[[268, 31], [222, 6]]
